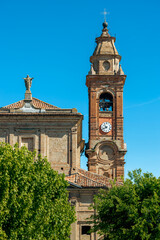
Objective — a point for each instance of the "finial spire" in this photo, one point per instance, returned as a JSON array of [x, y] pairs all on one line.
[[91, 72], [28, 83], [105, 24]]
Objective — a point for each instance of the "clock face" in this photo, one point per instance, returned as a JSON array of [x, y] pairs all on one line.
[[106, 127]]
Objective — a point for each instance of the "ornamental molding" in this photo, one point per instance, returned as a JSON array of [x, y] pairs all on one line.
[[104, 90]]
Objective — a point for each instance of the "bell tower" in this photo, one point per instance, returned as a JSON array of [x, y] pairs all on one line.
[[105, 81]]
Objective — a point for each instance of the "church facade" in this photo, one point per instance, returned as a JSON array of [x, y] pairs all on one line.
[[57, 133]]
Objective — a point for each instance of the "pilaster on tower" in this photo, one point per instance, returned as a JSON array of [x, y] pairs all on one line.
[[105, 83]]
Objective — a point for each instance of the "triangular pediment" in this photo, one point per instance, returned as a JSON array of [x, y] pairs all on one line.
[[35, 104]]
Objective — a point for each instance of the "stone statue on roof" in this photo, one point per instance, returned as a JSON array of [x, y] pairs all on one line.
[[28, 83]]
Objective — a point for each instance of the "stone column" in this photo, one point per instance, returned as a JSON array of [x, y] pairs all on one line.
[[11, 137], [42, 143], [74, 148], [74, 235]]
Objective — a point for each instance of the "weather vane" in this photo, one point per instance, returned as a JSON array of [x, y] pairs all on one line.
[[105, 13]]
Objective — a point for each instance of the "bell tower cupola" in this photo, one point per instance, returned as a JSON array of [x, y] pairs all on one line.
[[105, 58], [105, 81]]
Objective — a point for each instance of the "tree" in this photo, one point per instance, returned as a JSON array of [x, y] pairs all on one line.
[[33, 198], [130, 211]]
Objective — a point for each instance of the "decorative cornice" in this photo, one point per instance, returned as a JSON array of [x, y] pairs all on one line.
[[105, 79]]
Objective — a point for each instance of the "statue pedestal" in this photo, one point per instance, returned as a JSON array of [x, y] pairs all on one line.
[[28, 95]]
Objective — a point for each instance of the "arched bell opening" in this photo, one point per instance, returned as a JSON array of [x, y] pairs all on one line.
[[106, 102]]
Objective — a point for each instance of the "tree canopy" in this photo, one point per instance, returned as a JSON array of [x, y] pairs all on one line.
[[131, 211], [33, 198]]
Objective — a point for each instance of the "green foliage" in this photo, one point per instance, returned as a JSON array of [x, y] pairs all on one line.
[[131, 211], [33, 198]]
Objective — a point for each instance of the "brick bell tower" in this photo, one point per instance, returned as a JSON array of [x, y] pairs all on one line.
[[105, 83]]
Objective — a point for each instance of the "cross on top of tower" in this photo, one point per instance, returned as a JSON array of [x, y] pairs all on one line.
[[105, 13], [105, 24]]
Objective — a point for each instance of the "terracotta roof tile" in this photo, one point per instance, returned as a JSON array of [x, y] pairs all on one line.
[[88, 179], [15, 105], [40, 104], [36, 103]]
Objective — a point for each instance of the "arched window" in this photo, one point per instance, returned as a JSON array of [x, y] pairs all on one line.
[[106, 102]]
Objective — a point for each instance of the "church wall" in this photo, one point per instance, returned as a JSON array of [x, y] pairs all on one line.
[[52, 136], [81, 200], [58, 149], [3, 135]]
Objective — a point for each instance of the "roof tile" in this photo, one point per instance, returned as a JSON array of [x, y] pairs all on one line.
[[88, 179], [36, 103]]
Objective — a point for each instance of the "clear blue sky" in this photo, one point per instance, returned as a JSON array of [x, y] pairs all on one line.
[[52, 41]]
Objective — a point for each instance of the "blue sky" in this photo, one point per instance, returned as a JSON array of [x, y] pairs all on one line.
[[52, 41]]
